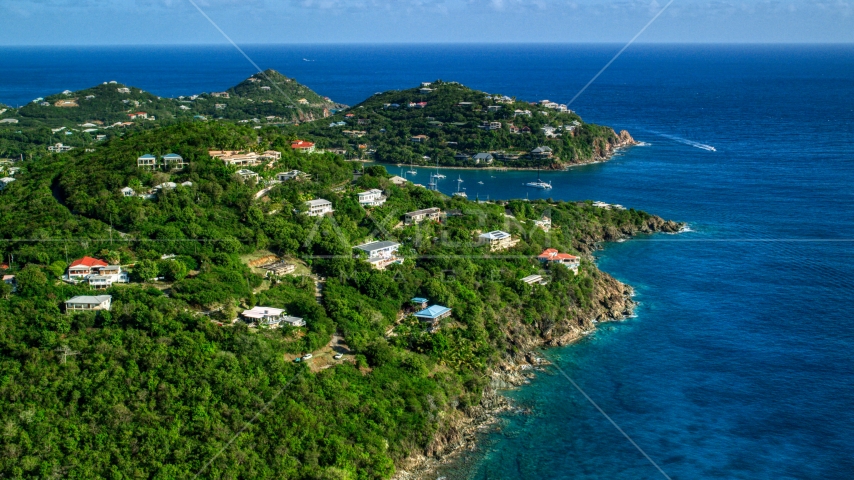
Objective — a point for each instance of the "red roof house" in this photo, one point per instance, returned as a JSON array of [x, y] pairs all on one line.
[[85, 266], [303, 146], [551, 255]]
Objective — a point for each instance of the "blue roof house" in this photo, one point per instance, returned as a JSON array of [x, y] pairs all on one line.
[[433, 313]]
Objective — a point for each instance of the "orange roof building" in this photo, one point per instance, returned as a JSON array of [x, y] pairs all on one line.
[[552, 255]]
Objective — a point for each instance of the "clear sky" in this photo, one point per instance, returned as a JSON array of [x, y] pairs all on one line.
[[100, 22]]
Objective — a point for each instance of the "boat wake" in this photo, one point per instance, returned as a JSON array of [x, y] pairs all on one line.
[[685, 141]]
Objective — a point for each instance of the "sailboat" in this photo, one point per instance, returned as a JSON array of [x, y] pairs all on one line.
[[459, 193], [412, 170], [539, 183], [438, 175]]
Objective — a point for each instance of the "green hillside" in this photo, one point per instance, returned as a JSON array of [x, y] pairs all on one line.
[[458, 120], [156, 387], [110, 109]]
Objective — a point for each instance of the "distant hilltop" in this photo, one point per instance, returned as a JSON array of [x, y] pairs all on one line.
[[265, 97], [447, 123]]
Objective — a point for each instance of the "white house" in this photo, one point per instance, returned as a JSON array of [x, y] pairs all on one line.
[[86, 303], [372, 198], [59, 148], [128, 192], [108, 276], [173, 161], [532, 279], [147, 161], [271, 317], [418, 216], [497, 240], [318, 207], [381, 254], [5, 181], [247, 174], [291, 175]]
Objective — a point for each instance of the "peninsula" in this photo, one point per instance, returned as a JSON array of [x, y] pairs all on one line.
[[184, 286]]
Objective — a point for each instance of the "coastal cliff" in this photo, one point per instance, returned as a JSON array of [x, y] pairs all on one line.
[[612, 301]]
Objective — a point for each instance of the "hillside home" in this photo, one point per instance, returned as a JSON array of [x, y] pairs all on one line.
[[271, 317], [87, 303], [542, 152], [247, 174], [302, 101], [291, 175], [107, 276], [381, 254], [433, 214], [372, 198], [271, 155], [220, 94], [399, 181], [433, 314], [279, 268], [534, 279], [318, 207], [141, 115], [497, 240], [147, 161], [5, 181], [552, 256], [71, 102], [486, 158], [236, 158], [425, 91], [544, 223], [173, 161], [303, 146], [85, 266], [127, 192], [419, 138], [10, 280], [493, 108], [59, 148], [123, 90]]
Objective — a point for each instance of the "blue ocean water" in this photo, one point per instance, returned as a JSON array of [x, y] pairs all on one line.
[[739, 363]]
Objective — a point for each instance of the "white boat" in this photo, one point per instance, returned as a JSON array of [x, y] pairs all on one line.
[[412, 170], [539, 183], [460, 193], [480, 183], [438, 175]]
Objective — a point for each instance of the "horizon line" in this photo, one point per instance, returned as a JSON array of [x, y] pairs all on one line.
[[418, 43]]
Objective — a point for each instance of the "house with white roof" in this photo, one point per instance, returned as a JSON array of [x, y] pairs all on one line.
[[318, 207], [247, 174], [173, 161], [372, 198], [5, 181], [271, 317], [147, 161], [88, 303], [381, 254], [535, 279], [497, 240], [290, 175], [398, 180], [59, 148], [128, 192]]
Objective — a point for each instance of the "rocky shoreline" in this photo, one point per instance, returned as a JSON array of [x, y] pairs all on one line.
[[600, 154], [613, 302]]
